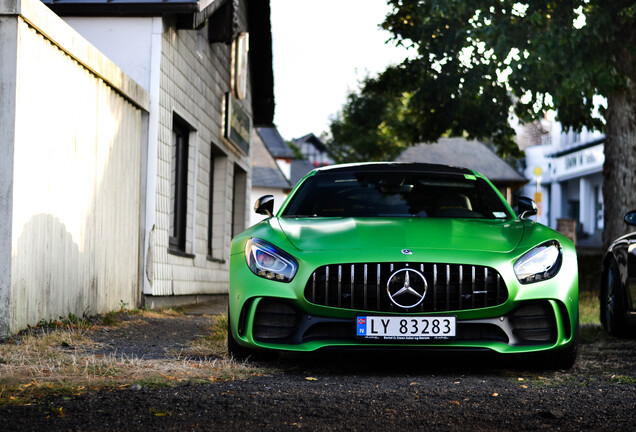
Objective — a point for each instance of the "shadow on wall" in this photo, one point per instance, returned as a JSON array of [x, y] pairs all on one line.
[[49, 262], [76, 180], [77, 223]]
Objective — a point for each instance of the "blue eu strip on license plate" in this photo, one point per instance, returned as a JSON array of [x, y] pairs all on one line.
[[406, 327]]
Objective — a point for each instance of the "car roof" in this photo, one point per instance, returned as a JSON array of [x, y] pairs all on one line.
[[422, 168]]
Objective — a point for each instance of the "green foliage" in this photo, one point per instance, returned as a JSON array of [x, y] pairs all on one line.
[[478, 61], [70, 322], [370, 126], [295, 149]]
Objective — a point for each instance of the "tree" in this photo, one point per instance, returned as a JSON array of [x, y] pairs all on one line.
[[477, 61], [369, 127]]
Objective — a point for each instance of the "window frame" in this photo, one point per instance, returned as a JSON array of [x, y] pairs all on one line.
[[218, 169], [179, 172]]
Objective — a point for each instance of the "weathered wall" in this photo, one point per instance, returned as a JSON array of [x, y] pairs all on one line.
[[195, 75], [77, 138]]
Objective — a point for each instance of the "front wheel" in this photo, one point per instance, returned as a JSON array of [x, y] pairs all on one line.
[[563, 358]]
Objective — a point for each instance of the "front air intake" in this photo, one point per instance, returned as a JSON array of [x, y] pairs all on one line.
[[274, 321]]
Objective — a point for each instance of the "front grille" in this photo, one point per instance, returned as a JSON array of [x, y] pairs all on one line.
[[451, 287]]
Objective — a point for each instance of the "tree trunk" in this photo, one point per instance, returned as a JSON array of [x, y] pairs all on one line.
[[619, 169]]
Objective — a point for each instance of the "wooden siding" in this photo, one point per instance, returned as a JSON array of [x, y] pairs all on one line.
[[75, 221]]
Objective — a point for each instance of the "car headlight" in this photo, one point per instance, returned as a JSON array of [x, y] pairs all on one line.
[[268, 261], [540, 263]]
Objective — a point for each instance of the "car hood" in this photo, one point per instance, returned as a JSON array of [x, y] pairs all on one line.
[[323, 234]]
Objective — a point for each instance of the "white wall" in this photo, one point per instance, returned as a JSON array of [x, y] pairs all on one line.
[[127, 41], [73, 213]]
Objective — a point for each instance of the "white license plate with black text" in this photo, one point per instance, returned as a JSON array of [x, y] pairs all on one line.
[[406, 327]]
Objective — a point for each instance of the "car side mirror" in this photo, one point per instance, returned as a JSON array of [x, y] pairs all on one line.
[[630, 217], [265, 205], [526, 207]]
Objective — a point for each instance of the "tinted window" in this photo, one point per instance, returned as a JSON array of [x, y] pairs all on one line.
[[395, 194]]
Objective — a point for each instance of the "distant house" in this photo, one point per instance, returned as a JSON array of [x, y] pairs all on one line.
[[468, 154], [277, 148], [144, 165], [267, 177], [299, 169], [566, 174], [276, 169], [314, 150]]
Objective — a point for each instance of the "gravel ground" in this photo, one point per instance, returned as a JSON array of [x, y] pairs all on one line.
[[352, 391], [150, 338]]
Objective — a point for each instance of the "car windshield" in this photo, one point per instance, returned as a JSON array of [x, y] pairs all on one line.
[[395, 194]]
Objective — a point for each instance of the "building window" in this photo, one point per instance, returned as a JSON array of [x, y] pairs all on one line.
[[239, 197], [179, 185], [218, 163]]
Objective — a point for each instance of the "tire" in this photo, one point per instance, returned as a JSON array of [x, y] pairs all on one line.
[[612, 302], [565, 358]]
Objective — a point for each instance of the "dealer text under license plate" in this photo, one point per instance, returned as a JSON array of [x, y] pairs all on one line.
[[406, 327]]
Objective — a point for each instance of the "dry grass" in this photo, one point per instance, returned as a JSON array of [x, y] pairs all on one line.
[[53, 359], [213, 345], [589, 308]]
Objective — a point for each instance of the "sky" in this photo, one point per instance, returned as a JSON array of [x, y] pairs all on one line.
[[321, 51]]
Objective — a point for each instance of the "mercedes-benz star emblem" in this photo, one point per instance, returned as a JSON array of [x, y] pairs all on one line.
[[407, 288], [407, 252]]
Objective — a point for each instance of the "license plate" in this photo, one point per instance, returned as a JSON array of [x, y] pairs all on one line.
[[406, 327]]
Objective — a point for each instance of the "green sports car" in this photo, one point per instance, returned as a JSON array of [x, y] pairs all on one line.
[[393, 255]]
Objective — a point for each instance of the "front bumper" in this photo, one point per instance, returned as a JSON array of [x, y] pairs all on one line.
[[284, 316], [275, 324]]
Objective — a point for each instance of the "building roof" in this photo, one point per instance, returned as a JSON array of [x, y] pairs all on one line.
[[313, 140], [275, 142], [193, 14], [299, 168], [265, 170], [269, 177], [579, 147], [461, 152], [202, 9]]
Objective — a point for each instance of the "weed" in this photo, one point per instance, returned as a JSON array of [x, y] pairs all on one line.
[[589, 308], [212, 345], [56, 358], [623, 379], [159, 413]]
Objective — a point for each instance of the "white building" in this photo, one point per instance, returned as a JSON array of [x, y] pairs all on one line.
[[196, 59], [566, 178], [126, 150]]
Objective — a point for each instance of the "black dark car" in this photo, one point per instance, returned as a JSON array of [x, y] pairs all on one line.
[[618, 288]]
